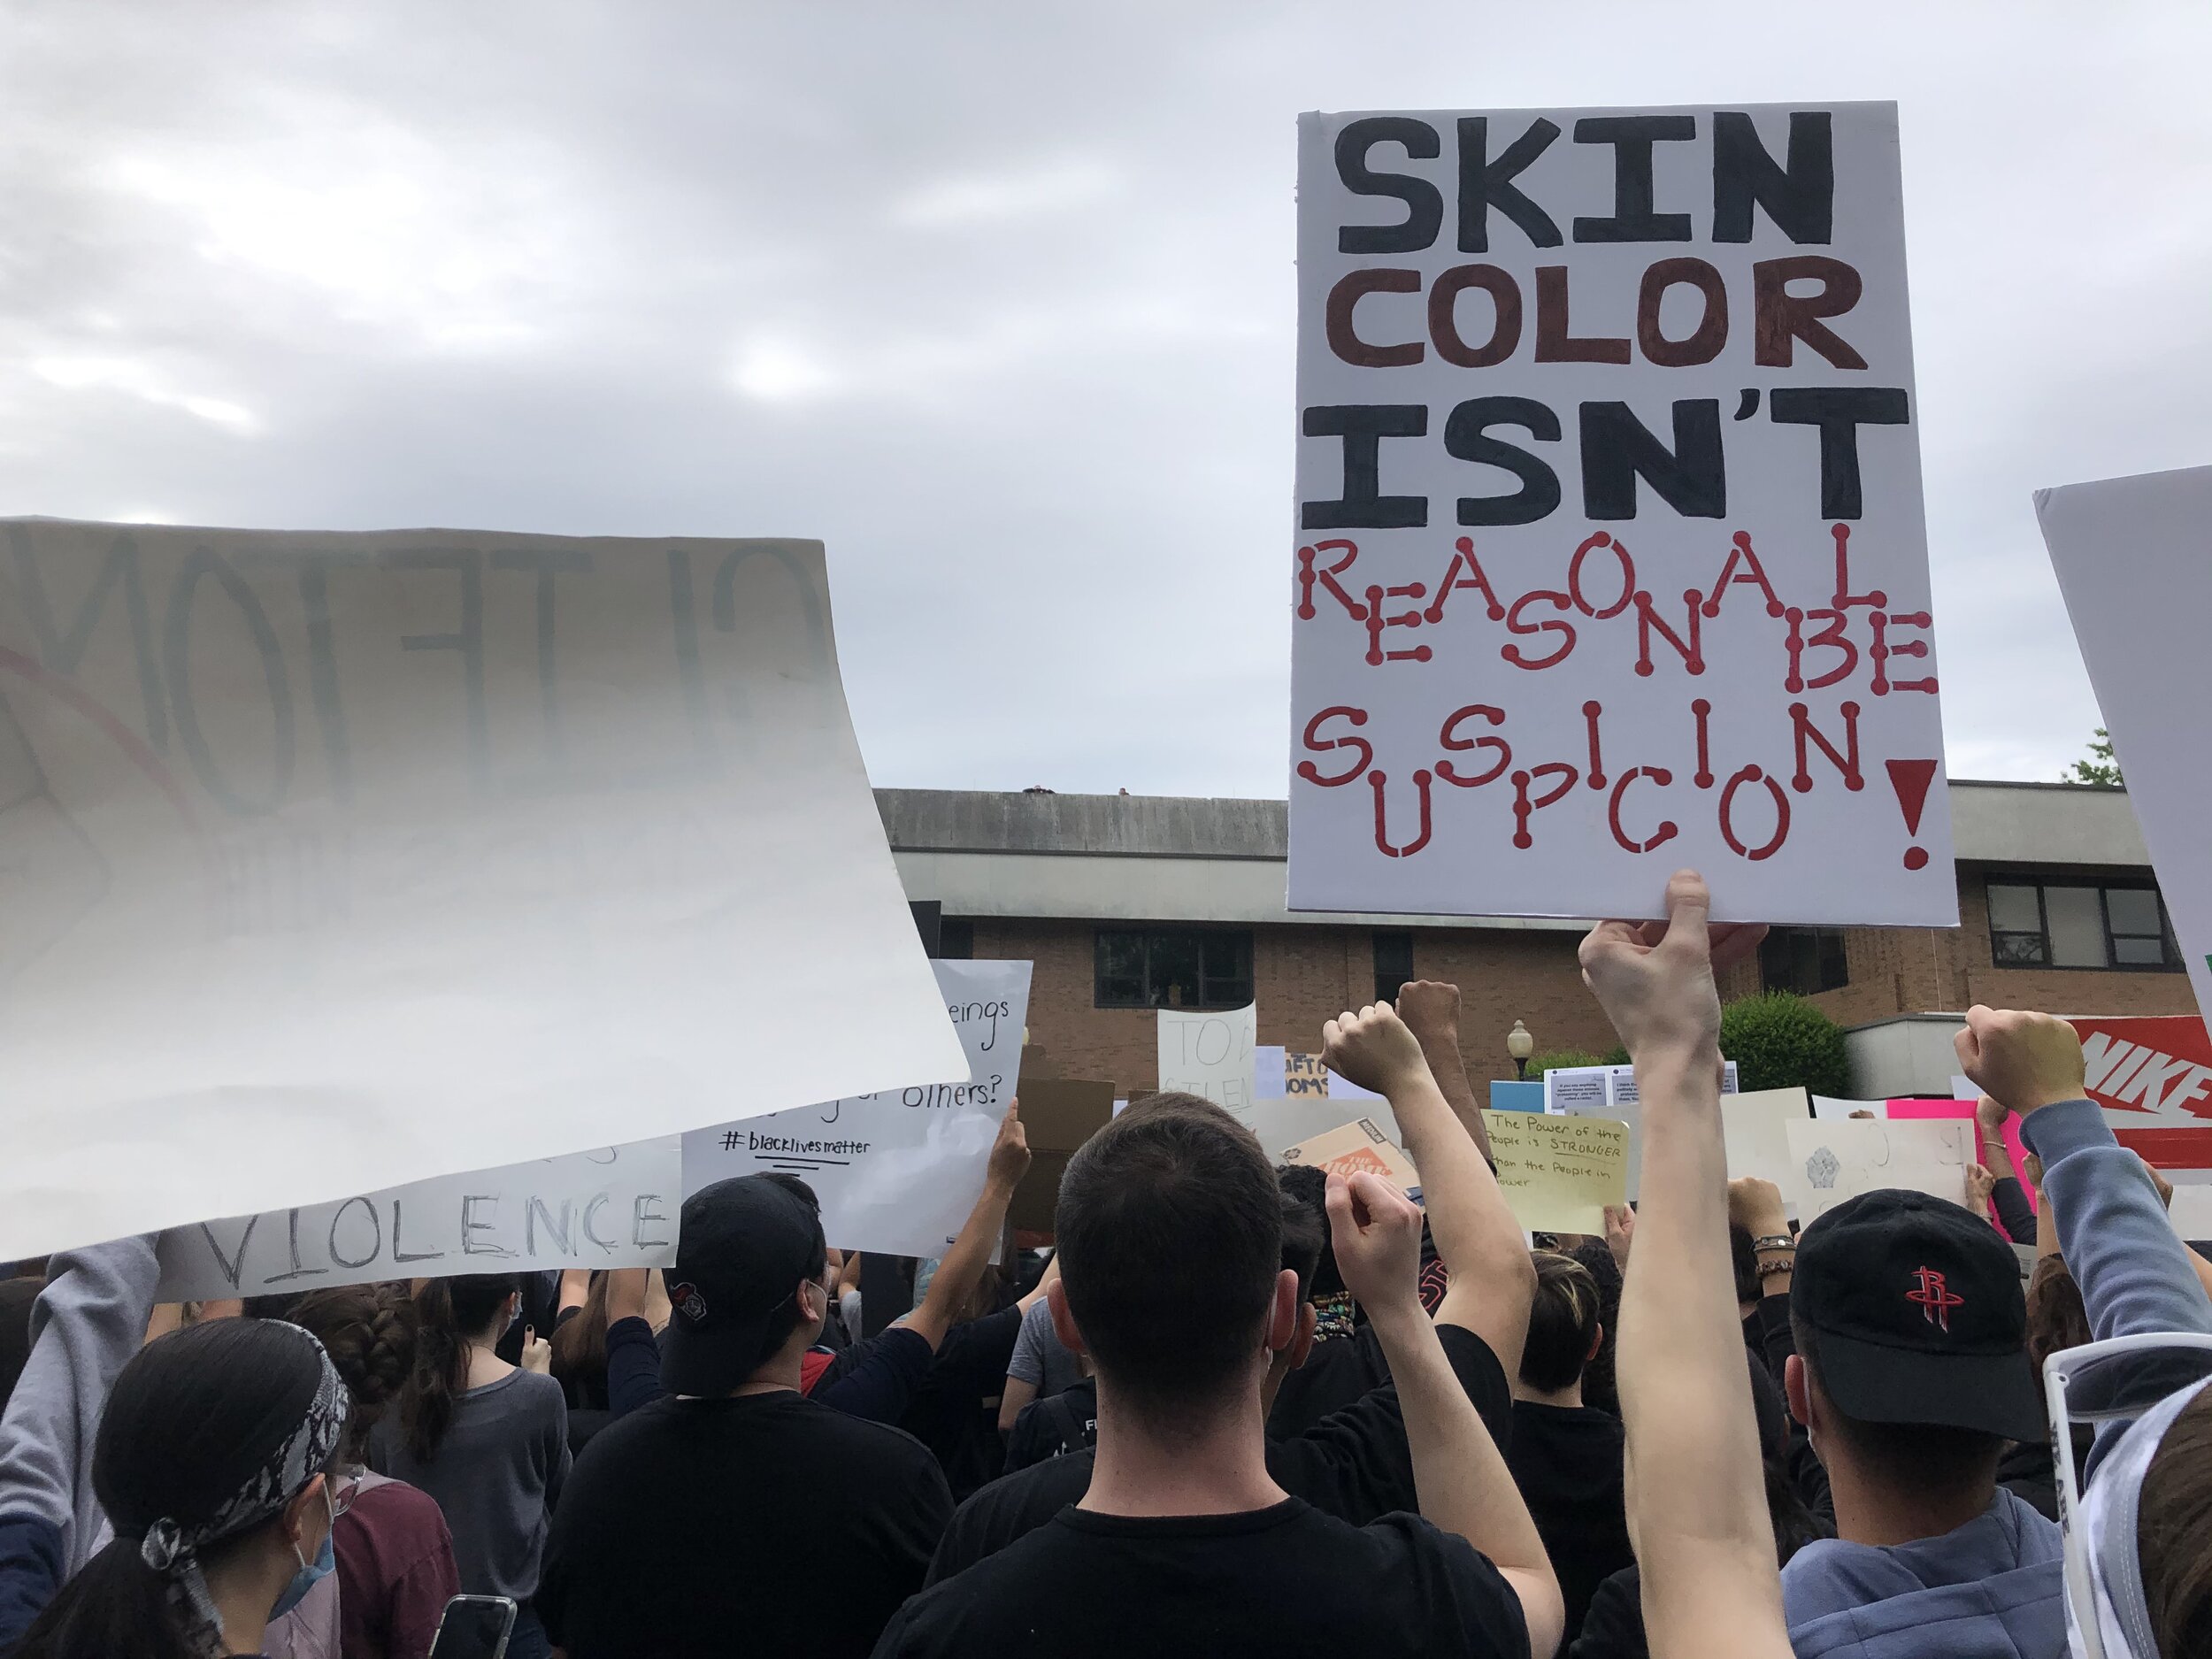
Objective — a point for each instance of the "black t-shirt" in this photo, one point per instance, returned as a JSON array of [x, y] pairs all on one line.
[[1614, 1626], [1353, 1465], [1284, 1582], [696, 1526], [1568, 1463]]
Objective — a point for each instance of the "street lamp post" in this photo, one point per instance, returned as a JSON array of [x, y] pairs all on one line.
[[1520, 1045]]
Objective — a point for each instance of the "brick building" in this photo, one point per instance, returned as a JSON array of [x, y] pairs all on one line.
[[1129, 903]]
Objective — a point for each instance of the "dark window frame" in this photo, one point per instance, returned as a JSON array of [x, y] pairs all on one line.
[[1828, 950], [1394, 940], [2039, 940], [1215, 989]]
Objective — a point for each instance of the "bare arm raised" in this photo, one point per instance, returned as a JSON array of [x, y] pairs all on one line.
[[1492, 1280], [1461, 1479], [1697, 1506]]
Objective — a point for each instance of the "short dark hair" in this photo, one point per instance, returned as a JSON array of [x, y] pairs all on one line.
[[1562, 1323], [1909, 1456], [1171, 1232]]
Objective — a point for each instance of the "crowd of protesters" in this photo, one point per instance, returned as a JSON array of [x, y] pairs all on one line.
[[1238, 1410]]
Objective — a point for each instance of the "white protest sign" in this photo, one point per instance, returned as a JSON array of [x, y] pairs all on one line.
[[615, 1206], [1569, 1087], [330, 862], [1609, 554], [1210, 1055], [1756, 1127], [2134, 560], [1609, 1091], [895, 1172], [1834, 1159]]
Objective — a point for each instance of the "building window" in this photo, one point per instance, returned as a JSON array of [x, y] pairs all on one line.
[[1393, 965], [1803, 960], [2078, 924], [1173, 967], [956, 939]]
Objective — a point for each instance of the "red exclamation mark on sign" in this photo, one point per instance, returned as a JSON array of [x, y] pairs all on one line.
[[1910, 778]]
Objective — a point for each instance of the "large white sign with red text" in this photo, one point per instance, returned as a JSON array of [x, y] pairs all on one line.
[[1610, 553]]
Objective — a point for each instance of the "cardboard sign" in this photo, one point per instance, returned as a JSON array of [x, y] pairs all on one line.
[[616, 1207], [1211, 1056], [1282, 1125], [1059, 1114], [1835, 1159], [1559, 1174], [1278, 1074], [332, 862], [1610, 557], [1358, 1146], [2134, 560], [895, 1172]]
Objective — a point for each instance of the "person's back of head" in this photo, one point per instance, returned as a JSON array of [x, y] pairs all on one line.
[[580, 1347], [1911, 1366], [1563, 1328], [2173, 1534], [1170, 1225], [1307, 1189], [206, 1442], [451, 1314], [750, 1289], [369, 1331], [1600, 1387], [2057, 1318]]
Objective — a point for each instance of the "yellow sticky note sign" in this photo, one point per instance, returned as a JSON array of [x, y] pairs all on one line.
[[1559, 1174]]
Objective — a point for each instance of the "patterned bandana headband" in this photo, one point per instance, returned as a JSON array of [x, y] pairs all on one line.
[[173, 1550]]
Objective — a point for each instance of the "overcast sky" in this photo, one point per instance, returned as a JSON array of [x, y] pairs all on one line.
[[997, 301]]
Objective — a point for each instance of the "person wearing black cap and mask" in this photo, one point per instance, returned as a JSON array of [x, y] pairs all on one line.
[[1911, 1376], [692, 1525]]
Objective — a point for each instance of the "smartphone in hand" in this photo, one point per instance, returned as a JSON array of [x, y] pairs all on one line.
[[474, 1627]]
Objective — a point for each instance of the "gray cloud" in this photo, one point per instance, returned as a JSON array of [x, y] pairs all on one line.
[[995, 300]]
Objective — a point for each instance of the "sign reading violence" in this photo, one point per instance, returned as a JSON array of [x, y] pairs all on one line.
[[332, 863], [1609, 554]]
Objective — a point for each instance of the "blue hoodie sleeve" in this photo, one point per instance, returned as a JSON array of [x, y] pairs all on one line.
[[2123, 1251], [90, 1318]]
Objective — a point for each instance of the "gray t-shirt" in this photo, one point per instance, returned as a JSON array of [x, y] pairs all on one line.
[[496, 1475], [1040, 1356]]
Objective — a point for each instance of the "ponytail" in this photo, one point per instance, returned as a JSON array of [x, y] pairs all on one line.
[[448, 1312], [115, 1604]]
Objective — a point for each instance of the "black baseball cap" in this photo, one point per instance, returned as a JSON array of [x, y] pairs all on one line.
[[742, 1250], [1910, 1309]]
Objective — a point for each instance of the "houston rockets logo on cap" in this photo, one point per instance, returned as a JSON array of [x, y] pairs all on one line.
[[1936, 1299]]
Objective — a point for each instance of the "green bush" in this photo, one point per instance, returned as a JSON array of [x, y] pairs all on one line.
[[1783, 1042], [1562, 1060]]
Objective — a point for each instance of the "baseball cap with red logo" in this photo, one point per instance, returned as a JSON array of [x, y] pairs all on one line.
[[743, 1247], [1910, 1310]]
